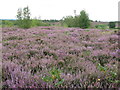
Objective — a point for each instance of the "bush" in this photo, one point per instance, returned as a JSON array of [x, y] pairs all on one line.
[[111, 24], [69, 21], [81, 20], [101, 26]]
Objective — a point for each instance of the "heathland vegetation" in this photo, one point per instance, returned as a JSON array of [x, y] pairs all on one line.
[[59, 53]]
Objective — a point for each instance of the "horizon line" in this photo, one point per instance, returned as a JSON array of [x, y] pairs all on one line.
[[57, 19]]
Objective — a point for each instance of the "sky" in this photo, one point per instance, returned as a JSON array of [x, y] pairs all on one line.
[[100, 10]]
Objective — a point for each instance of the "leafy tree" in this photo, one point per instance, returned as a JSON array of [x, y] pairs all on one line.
[[19, 17], [69, 20], [111, 24], [23, 17], [76, 21], [81, 20], [26, 18], [84, 21]]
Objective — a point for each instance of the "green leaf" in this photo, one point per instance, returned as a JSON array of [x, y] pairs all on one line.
[[47, 79], [101, 68], [60, 82], [117, 81], [114, 74]]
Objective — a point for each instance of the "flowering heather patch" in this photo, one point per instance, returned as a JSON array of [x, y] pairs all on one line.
[[84, 57]]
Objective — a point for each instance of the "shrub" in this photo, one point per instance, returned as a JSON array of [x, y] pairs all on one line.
[[69, 21], [81, 20], [111, 74], [76, 21], [101, 26], [111, 24]]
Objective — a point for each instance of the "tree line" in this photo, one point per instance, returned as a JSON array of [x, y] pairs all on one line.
[[24, 20]]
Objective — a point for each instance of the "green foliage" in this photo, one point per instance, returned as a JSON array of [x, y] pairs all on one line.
[[59, 82], [19, 17], [101, 68], [81, 20], [111, 24], [102, 59], [51, 21], [76, 21], [102, 26], [69, 21], [111, 74], [23, 17], [7, 23], [36, 22], [54, 76], [84, 20], [0, 23]]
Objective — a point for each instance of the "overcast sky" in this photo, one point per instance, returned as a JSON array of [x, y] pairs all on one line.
[[103, 10]]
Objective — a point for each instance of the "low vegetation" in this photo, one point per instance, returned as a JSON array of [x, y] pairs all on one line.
[[59, 53], [59, 57]]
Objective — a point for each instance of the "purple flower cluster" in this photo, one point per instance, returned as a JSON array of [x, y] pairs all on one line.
[[29, 54]]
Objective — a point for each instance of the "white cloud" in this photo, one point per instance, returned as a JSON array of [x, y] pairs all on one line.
[[104, 10]]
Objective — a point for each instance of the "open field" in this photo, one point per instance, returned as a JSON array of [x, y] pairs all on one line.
[[59, 57]]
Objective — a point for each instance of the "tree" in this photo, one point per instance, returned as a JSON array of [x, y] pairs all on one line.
[[84, 21], [69, 20], [76, 21], [111, 24], [19, 17], [23, 17]]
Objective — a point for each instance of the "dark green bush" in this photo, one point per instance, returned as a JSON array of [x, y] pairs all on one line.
[[111, 24], [84, 20]]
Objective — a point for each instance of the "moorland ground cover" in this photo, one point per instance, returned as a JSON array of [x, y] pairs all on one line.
[[59, 57]]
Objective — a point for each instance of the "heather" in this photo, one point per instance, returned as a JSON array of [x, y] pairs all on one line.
[[49, 56]]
